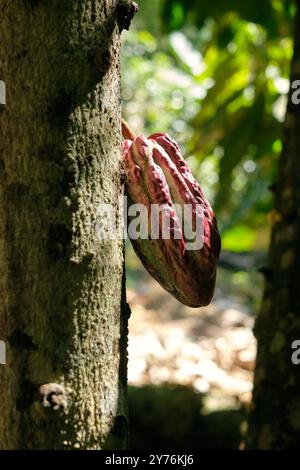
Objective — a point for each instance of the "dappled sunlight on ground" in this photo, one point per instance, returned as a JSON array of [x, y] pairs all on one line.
[[211, 349]]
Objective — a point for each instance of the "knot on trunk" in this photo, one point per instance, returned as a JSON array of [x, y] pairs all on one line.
[[126, 11], [52, 396]]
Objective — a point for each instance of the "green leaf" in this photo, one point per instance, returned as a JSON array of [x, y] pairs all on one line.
[[239, 238]]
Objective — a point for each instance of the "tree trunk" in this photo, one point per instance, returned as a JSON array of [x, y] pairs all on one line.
[[63, 314], [275, 416]]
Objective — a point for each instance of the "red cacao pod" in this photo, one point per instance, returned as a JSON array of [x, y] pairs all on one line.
[[158, 176]]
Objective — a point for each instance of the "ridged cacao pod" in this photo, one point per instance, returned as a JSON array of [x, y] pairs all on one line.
[[157, 174]]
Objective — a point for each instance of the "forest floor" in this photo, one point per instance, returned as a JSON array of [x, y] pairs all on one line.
[[212, 349]]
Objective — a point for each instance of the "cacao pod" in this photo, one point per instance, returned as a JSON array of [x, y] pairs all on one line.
[[158, 176]]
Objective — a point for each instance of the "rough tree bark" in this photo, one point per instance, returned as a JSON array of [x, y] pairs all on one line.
[[62, 306], [275, 416]]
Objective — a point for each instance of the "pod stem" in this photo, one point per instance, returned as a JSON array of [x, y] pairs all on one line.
[[127, 133]]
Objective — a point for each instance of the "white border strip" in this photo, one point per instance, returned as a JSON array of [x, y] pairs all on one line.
[[2, 92]]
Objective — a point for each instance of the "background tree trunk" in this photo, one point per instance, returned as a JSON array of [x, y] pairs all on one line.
[[275, 417], [62, 309]]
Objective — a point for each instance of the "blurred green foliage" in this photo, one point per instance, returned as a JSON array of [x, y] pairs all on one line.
[[214, 75]]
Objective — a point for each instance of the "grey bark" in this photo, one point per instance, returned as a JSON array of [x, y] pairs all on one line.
[[63, 313], [275, 414]]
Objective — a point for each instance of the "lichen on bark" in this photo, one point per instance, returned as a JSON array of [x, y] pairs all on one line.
[[61, 286]]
